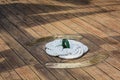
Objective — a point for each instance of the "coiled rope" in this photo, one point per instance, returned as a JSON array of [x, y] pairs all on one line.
[[66, 49]]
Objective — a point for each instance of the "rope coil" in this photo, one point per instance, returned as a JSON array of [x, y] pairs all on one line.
[[66, 49]]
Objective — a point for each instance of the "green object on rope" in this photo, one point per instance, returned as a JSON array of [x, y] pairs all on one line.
[[65, 43]]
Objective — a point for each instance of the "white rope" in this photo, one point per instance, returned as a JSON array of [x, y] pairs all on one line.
[[76, 50]]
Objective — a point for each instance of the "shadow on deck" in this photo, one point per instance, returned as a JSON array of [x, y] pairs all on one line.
[[39, 53], [40, 14]]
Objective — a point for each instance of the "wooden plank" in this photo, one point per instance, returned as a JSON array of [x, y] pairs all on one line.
[[7, 73], [72, 27], [111, 40], [33, 67], [106, 21], [1, 78], [53, 21], [61, 71], [17, 63], [96, 73], [62, 75], [103, 35], [5, 69], [114, 41], [31, 61], [114, 73], [109, 49]]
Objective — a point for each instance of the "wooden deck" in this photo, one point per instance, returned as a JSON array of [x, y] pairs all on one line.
[[22, 21]]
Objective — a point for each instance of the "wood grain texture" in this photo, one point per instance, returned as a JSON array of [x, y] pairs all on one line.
[[23, 21]]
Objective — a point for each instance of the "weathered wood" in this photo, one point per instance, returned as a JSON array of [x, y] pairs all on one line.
[[23, 21], [6, 70], [94, 31], [54, 71]]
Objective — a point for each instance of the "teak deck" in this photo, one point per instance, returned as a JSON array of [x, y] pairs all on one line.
[[22, 21]]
